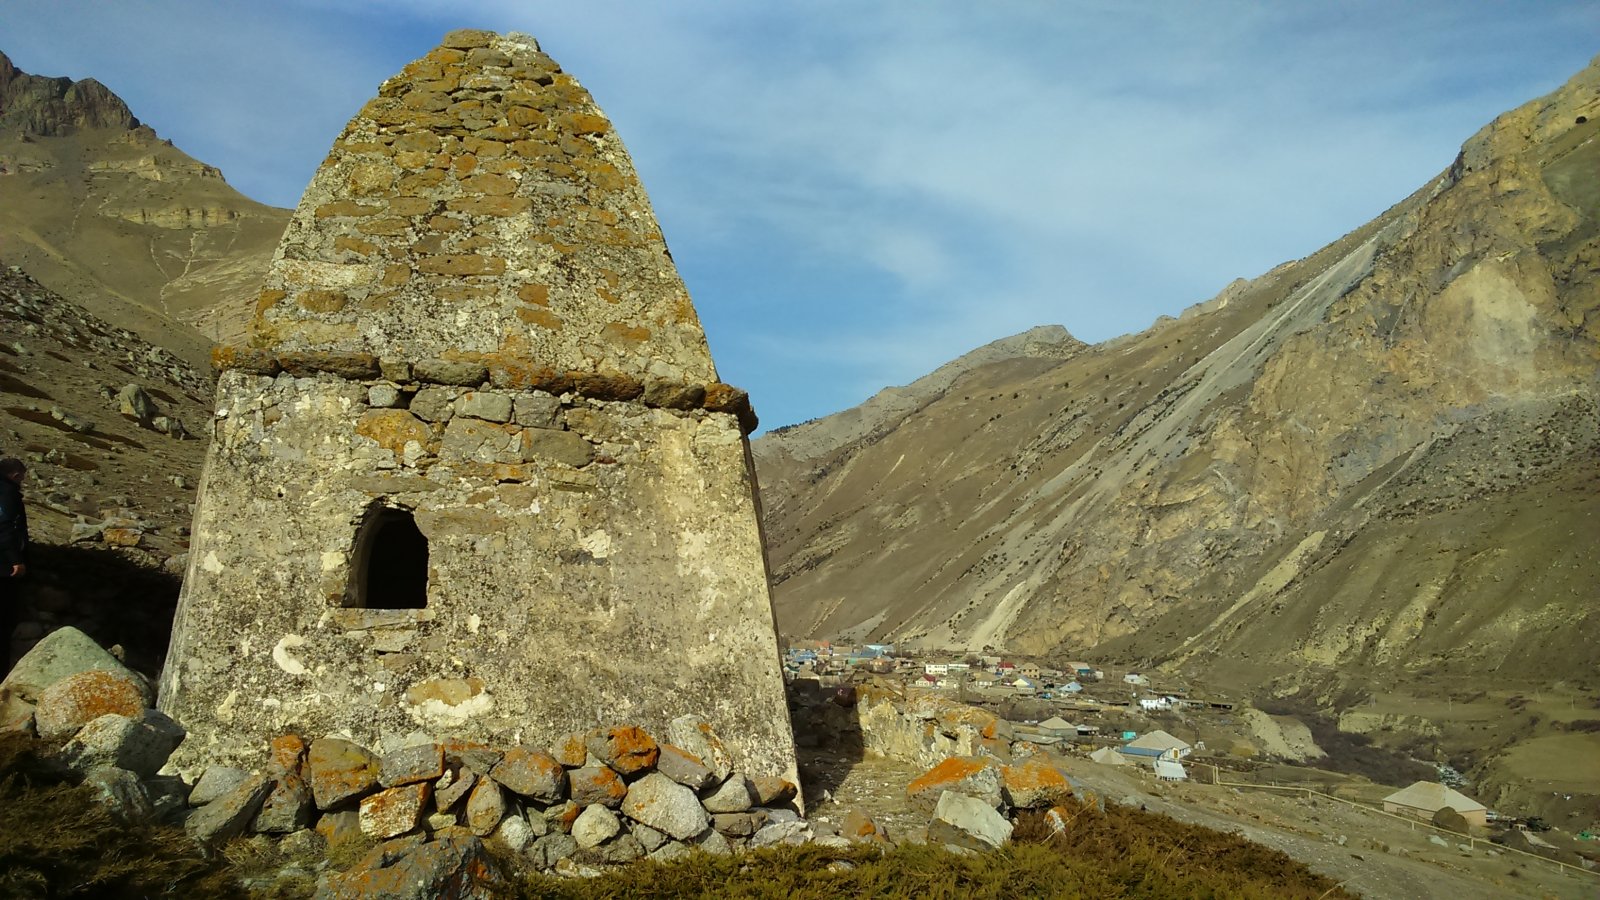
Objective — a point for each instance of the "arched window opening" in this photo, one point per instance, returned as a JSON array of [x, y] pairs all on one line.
[[390, 568]]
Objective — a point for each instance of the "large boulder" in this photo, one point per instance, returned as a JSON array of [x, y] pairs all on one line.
[[973, 776], [65, 651], [78, 699], [967, 822], [139, 744], [1034, 784]]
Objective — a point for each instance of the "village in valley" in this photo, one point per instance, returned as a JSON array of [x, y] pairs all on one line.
[[1163, 732]]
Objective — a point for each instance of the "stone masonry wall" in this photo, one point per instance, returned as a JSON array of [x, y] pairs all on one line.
[[481, 206], [590, 562], [473, 318]]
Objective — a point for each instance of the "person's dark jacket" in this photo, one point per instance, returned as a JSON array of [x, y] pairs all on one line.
[[13, 527]]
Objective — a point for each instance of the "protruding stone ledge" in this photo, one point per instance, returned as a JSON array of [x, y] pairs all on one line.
[[498, 372]]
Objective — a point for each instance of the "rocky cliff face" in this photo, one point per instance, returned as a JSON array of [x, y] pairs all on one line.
[[100, 208], [57, 106], [1248, 487]]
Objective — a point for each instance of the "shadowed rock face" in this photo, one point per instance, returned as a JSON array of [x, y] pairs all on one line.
[[482, 206], [472, 332], [54, 106]]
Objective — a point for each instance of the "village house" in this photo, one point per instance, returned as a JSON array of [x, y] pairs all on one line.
[[1424, 798], [936, 668], [1025, 685], [1156, 745], [1055, 726], [1030, 670], [1136, 679]]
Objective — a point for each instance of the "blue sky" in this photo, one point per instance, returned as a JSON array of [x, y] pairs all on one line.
[[857, 192]]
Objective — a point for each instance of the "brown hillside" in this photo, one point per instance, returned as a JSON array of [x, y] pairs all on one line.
[[101, 209]]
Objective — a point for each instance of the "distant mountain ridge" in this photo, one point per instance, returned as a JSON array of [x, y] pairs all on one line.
[[1118, 492], [99, 208]]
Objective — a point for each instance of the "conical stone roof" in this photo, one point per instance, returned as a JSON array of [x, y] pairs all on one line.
[[482, 210]]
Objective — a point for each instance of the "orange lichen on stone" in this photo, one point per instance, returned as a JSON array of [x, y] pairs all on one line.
[[393, 429], [79, 699], [626, 334], [946, 775], [572, 750], [322, 301], [1034, 783], [269, 298], [627, 749], [543, 318]]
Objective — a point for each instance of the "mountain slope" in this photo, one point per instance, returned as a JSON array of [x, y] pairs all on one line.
[[1140, 489], [99, 208]]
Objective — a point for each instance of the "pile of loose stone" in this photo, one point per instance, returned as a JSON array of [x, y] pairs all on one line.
[[603, 797]]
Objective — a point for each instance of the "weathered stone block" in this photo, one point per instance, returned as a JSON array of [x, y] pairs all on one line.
[[563, 447], [738, 824], [734, 795], [663, 804], [445, 371], [684, 767], [771, 790], [446, 798], [533, 774], [594, 826], [122, 792], [486, 806], [597, 785], [432, 404], [627, 749], [395, 811], [485, 405], [967, 822], [453, 866], [215, 782], [696, 736], [339, 770], [536, 410], [226, 817], [140, 745], [422, 762]]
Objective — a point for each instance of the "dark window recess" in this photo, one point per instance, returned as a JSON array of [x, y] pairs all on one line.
[[391, 563]]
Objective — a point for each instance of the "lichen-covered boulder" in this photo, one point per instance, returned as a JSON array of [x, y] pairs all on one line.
[[974, 776], [78, 699], [485, 807], [533, 774], [1034, 784], [65, 651], [597, 784], [340, 769]]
